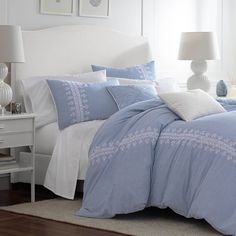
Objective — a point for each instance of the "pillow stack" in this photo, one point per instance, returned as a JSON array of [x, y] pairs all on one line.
[[138, 72], [38, 99], [96, 95]]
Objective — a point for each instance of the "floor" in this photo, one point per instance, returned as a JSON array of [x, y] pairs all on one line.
[[12, 224]]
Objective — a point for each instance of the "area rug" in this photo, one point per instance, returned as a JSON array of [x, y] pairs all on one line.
[[150, 222]]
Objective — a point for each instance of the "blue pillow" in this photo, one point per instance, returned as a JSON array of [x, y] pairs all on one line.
[[139, 72], [77, 102], [129, 94]]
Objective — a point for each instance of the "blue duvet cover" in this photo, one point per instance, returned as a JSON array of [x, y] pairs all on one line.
[[145, 156]]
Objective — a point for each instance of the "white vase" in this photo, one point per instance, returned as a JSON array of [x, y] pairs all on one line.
[[5, 94]]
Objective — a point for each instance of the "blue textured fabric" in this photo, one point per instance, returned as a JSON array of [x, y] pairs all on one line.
[[77, 102], [144, 155], [139, 72], [129, 94], [228, 103]]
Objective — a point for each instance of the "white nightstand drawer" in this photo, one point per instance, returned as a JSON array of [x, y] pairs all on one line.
[[17, 131], [16, 140], [20, 125]]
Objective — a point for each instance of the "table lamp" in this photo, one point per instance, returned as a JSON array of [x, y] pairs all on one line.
[[11, 50], [198, 47]]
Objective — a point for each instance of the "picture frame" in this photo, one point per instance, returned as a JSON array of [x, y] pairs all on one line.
[[57, 7], [94, 8]]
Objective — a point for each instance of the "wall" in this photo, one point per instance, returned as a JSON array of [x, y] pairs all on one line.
[[172, 18], [3, 11], [161, 21], [137, 17], [134, 17], [125, 15], [229, 39]]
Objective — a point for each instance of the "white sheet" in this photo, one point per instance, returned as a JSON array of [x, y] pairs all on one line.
[[45, 138], [69, 161]]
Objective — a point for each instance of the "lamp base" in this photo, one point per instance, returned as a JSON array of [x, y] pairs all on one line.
[[3, 110], [198, 80], [5, 89], [3, 71]]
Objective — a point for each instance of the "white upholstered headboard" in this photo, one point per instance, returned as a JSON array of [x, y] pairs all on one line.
[[73, 48]]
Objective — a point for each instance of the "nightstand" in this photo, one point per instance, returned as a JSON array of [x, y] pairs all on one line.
[[18, 131]]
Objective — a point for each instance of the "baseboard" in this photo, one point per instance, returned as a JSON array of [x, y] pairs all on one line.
[[5, 182]]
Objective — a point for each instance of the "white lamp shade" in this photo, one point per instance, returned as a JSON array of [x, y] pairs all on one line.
[[198, 46], [11, 44]]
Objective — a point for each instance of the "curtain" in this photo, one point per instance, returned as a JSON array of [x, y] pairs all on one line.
[[171, 17]]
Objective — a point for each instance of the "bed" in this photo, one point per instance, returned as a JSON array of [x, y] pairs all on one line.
[[175, 150], [65, 50]]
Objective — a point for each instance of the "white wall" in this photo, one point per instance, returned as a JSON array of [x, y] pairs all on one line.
[[156, 22], [229, 39], [125, 15], [3, 12], [162, 21], [210, 18], [172, 18]]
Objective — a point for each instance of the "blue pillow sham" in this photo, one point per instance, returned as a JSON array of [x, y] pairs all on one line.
[[77, 102], [129, 94], [138, 72]]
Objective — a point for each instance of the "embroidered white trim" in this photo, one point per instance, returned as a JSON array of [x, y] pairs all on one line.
[[145, 72], [70, 101], [76, 112], [84, 101], [107, 150], [200, 140], [77, 101], [141, 72]]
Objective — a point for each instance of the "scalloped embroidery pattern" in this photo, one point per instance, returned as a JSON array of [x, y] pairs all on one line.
[[77, 99], [200, 140], [107, 150], [145, 72], [142, 73], [84, 102], [70, 96]]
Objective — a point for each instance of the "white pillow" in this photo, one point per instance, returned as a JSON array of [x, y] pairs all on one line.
[[167, 85], [37, 96], [164, 85], [123, 81], [192, 104]]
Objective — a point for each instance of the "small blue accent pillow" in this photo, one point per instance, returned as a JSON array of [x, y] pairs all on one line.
[[139, 72], [77, 102], [129, 94]]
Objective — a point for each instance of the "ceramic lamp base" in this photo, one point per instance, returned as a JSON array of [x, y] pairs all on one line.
[[199, 80], [3, 71], [5, 89]]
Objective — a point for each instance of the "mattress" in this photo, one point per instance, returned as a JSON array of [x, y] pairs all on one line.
[[45, 138]]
